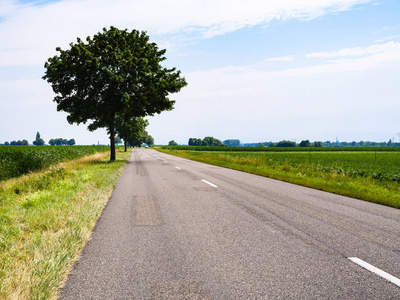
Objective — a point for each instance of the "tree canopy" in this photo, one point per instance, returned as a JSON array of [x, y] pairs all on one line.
[[232, 143], [132, 130], [305, 143], [116, 74], [207, 141], [38, 141], [286, 143]]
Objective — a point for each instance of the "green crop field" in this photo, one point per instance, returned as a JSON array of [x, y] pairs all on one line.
[[368, 175], [19, 160], [376, 165]]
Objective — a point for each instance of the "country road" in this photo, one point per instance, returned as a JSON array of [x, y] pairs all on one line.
[[178, 229]]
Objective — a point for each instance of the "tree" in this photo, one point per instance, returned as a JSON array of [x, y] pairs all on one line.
[[131, 129], [305, 143], [172, 143], [317, 144], [71, 142], [38, 141], [116, 73], [194, 142], [286, 144], [232, 143], [52, 142], [118, 140], [211, 141], [149, 140]]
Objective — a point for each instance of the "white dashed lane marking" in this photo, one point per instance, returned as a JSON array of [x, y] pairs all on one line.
[[209, 183], [375, 270]]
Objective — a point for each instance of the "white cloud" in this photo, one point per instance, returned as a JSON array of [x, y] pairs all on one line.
[[30, 33], [358, 51], [389, 38], [7, 7], [285, 58], [251, 81]]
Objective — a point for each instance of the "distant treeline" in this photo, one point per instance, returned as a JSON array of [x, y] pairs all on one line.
[[40, 142], [60, 142], [213, 142], [307, 143]]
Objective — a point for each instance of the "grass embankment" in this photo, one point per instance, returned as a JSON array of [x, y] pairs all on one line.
[[369, 176], [45, 220]]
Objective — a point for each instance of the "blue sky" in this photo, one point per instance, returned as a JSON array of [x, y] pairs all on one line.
[[256, 70]]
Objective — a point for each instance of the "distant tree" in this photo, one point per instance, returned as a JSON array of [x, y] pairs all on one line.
[[172, 143], [194, 142], [317, 144], [149, 140], [131, 130], [262, 145], [232, 143], [286, 144], [38, 141], [52, 142], [118, 140], [21, 143], [13, 143], [271, 144], [71, 142], [6, 144], [116, 73], [305, 143], [211, 141]]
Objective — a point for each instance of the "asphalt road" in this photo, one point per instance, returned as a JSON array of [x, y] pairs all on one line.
[[178, 229]]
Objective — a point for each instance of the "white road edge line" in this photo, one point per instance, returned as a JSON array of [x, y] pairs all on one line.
[[205, 181], [375, 270]]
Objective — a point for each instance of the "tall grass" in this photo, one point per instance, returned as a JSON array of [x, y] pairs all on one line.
[[45, 219], [368, 176]]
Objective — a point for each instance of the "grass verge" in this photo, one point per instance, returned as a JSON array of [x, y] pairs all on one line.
[[45, 220], [381, 191]]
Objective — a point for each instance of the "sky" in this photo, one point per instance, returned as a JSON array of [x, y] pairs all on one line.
[[257, 70]]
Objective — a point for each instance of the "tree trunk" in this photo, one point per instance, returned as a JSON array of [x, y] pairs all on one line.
[[125, 145], [112, 142]]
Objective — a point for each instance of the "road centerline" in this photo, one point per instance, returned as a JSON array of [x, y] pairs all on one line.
[[375, 270]]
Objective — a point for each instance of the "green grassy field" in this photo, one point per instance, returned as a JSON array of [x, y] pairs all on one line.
[[46, 217], [19, 160], [368, 175]]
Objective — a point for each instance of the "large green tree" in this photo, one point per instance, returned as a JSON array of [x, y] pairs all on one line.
[[117, 73]]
